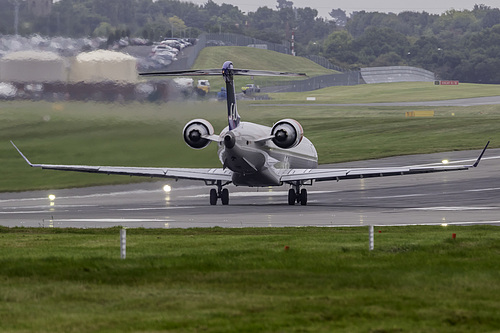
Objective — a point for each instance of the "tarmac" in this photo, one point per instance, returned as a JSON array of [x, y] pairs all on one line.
[[458, 197]]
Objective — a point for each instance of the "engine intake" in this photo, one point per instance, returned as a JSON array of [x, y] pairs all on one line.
[[194, 131], [288, 133]]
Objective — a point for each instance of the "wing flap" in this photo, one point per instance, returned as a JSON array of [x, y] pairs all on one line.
[[175, 173], [338, 174]]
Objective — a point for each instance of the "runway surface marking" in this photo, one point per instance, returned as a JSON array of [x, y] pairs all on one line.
[[154, 208], [484, 189], [115, 220], [24, 212], [398, 196], [451, 208]]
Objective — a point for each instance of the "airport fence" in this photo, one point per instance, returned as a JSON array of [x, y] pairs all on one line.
[[318, 82], [322, 61], [229, 39]]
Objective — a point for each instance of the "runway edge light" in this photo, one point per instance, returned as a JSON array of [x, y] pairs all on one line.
[[371, 237]]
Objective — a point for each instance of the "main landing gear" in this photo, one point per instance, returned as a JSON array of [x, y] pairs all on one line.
[[222, 193], [297, 195]]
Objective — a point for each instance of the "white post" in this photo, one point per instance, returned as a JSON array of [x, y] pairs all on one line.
[[371, 237], [123, 243]]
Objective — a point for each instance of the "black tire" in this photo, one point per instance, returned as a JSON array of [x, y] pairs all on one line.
[[213, 197], [224, 196], [291, 197], [303, 197]]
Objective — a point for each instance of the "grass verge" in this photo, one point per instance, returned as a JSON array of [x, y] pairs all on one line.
[[389, 93], [418, 279]]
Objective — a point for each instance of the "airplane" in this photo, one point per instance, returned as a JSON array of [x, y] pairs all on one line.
[[251, 154]]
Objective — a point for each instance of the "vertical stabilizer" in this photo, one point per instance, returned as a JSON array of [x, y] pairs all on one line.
[[232, 111]]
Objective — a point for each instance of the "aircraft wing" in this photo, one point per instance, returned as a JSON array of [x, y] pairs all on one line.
[[294, 175], [174, 173]]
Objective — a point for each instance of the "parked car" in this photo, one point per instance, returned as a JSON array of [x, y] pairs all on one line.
[[250, 89], [203, 87], [163, 48], [7, 90]]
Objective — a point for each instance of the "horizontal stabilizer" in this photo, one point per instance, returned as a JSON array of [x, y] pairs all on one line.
[[189, 72], [218, 71]]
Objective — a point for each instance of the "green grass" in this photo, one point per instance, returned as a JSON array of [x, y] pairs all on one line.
[[390, 92], [252, 58], [149, 134], [418, 279]]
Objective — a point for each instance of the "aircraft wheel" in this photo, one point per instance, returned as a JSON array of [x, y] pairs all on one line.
[[303, 197], [291, 197], [213, 197], [224, 196]]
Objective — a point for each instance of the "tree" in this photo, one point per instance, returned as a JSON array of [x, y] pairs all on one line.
[[337, 48], [491, 18], [339, 17], [310, 27], [388, 59], [377, 41], [176, 25], [103, 30], [282, 4]]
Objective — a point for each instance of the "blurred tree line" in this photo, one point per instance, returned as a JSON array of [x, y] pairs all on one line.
[[459, 45]]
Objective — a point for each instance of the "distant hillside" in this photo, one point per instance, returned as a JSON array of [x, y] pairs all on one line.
[[252, 58]]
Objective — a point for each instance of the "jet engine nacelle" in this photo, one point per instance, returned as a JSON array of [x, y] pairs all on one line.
[[287, 133], [194, 131]]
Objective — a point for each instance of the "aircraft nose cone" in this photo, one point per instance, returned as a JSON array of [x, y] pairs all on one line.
[[229, 141]]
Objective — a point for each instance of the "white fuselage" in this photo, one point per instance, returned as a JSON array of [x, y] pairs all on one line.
[[254, 161]]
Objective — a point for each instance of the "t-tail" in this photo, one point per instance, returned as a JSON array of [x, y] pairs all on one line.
[[228, 72], [232, 110]]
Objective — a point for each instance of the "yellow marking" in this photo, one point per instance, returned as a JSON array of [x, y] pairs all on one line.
[[420, 113]]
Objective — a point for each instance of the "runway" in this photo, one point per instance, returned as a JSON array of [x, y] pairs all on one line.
[[441, 198]]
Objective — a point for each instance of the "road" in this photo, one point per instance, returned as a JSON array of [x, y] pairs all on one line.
[[451, 197]]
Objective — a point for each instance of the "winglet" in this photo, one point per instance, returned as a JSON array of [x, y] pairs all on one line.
[[481, 155], [25, 158]]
